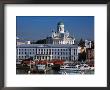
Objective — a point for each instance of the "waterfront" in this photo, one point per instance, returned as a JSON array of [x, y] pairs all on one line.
[[49, 70], [62, 72]]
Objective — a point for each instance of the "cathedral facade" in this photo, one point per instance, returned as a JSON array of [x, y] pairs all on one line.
[[60, 36]]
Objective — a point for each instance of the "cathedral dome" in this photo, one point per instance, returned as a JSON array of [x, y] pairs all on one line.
[[60, 23]]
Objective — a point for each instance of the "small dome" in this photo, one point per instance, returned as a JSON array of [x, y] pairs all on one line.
[[60, 23]]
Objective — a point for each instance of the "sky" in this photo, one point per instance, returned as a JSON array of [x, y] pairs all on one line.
[[39, 27]]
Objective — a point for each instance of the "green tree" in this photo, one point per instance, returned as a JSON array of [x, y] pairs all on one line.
[[41, 41], [81, 43]]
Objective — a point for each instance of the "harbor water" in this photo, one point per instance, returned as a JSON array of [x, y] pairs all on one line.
[[60, 72]]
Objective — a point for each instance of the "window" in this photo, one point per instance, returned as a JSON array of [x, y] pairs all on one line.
[[69, 53], [76, 50], [46, 57]]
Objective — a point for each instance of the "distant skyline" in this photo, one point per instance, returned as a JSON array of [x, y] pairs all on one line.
[[39, 27]]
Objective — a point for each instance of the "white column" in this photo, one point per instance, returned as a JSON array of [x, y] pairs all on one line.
[[58, 42], [18, 54]]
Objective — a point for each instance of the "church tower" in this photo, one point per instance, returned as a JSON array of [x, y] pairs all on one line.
[[60, 27]]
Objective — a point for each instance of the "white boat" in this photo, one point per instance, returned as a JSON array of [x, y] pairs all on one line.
[[18, 62], [41, 67], [84, 67], [91, 68], [68, 67]]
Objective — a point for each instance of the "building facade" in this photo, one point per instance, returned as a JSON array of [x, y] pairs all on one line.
[[60, 36], [88, 44], [47, 52], [90, 54]]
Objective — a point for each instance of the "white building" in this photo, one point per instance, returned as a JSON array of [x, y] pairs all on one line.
[[19, 41], [47, 51], [88, 44], [60, 46], [60, 36]]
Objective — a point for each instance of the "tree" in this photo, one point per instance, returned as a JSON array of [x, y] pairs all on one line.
[[82, 56], [81, 43], [42, 41]]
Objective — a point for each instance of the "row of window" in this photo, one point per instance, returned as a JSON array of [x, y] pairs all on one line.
[[61, 42], [21, 50], [75, 50], [45, 57], [44, 49], [53, 57], [47, 53]]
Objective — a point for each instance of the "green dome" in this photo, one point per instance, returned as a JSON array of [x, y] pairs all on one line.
[[60, 23]]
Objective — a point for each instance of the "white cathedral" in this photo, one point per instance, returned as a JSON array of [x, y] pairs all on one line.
[[60, 36]]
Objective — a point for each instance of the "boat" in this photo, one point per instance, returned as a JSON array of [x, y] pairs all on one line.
[[91, 68], [69, 67], [84, 67], [75, 67], [41, 67]]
